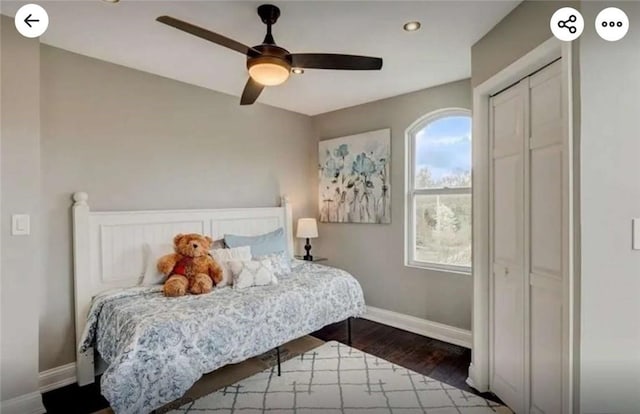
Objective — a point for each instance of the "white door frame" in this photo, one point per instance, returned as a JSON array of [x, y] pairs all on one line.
[[539, 57]]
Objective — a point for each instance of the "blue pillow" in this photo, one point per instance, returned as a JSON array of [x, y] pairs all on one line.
[[268, 243]]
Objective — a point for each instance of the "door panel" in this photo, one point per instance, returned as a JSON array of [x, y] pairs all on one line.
[[546, 350], [546, 209], [507, 311], [546, 241], [508, 218]]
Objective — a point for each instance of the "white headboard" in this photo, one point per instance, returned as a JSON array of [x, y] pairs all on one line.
[[108, 246]]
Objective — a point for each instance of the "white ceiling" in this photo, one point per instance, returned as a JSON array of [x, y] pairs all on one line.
[[126, 33]]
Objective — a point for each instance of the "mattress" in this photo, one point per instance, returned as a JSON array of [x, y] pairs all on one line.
[[156, 348]]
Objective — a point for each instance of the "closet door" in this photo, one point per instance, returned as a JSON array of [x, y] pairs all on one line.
[[507, 236], [547, 240]]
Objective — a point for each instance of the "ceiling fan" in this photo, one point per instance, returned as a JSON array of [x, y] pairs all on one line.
[[270, 64]]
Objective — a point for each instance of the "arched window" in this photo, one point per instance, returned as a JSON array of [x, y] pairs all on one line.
[[438, 183]]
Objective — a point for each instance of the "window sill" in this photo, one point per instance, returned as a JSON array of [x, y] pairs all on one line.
[[459, 270]]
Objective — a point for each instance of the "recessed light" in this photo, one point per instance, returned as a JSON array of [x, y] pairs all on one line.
[[297, 71], [411, 26], [111, 1]]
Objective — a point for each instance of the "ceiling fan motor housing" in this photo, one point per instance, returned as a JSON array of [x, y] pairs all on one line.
[[268, 13], [270, 54]]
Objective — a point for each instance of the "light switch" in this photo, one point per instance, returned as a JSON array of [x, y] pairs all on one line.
[[636, 233], [20, 225]]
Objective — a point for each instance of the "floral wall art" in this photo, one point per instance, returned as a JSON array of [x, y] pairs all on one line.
[[354, 178]]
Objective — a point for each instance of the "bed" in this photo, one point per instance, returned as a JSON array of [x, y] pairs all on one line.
[[154, 348]]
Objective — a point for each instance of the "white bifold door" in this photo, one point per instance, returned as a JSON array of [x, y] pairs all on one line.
[[529, 244]]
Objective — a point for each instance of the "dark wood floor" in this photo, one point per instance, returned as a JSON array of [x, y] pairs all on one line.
[[436, 359], [75, 400], [439, 360]]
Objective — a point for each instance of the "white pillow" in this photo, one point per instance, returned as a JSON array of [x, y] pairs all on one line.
[[153, 253], [280, 263], [224, 256], [249, 273]]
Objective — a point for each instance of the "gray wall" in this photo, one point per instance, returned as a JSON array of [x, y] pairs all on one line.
[[375, 253], [20, 193], [610, 185], [138, 141], [518, 33]]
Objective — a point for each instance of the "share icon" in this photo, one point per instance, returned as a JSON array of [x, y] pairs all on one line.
[[566, 24], [563, 24]]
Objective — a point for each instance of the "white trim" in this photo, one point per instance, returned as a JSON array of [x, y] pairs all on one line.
[[57, 377], [529, 63], [23, 404], [461, 270], [411, 192], [424, 327]]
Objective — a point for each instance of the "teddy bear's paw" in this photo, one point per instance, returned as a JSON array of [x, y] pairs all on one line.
[[165, 267], [176, 291], [199, 288], [174, 288], [201, 284]]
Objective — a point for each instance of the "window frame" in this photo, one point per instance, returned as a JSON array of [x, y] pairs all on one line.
[[411, 192]]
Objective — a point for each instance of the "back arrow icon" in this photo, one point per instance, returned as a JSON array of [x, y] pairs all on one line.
[[28, 20]]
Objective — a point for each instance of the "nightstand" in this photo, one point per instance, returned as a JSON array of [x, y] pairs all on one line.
[[315, 258]]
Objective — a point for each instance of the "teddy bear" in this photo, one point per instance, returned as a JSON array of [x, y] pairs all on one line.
[[191, 268]]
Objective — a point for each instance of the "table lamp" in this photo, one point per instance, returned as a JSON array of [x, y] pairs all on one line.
[[307, 229]]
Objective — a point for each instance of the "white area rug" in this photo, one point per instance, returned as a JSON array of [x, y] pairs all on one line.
[[335, 378]]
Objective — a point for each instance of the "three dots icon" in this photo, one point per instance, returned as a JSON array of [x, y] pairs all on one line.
[[612, 24]]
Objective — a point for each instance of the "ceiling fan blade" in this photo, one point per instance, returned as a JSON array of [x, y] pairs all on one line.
[[208, 35], [334, 61], [251, 92]]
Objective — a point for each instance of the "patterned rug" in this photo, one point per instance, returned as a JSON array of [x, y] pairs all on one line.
[[335, 378]]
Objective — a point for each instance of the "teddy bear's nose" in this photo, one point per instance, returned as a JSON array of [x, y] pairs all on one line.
[[195, 246]]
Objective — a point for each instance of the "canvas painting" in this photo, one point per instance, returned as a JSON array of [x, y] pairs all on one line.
[[354, 178]]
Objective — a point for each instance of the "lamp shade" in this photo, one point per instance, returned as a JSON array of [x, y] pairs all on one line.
[[307, 228], [268, 71]]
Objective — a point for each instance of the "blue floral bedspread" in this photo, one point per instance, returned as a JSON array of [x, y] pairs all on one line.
[[158, 347]]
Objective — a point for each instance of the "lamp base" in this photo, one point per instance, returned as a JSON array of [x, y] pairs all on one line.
[[307, 256]]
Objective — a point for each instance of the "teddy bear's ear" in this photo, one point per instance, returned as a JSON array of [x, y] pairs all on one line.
[[209, 239], [177, 239]]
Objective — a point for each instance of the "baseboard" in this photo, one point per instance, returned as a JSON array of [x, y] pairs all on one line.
[[24, 404], [442, 332], [57, 377]]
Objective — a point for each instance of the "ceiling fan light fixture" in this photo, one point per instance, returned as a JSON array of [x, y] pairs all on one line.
[[411, 26], [268, 71]]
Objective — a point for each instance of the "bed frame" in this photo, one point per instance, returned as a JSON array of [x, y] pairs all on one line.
[[108, 248]]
